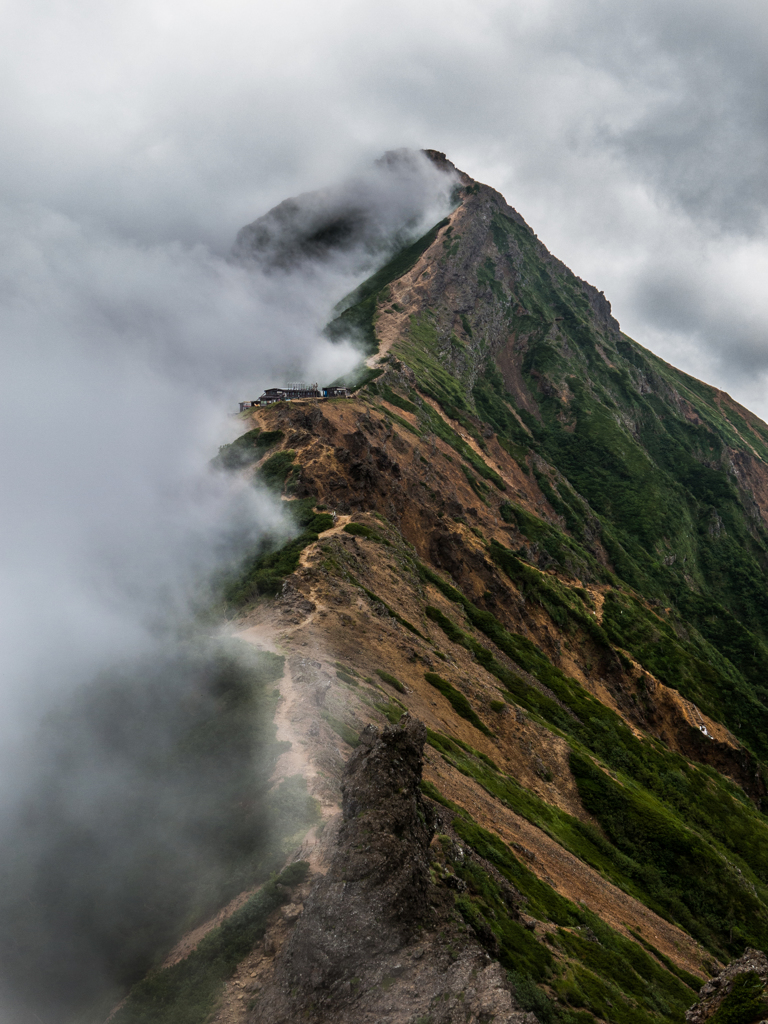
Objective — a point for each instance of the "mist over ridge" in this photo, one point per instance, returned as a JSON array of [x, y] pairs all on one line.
[[122, 361]]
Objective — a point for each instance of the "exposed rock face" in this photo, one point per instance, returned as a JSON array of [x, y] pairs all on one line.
[[739, 988], [376, 940], [375, 894]]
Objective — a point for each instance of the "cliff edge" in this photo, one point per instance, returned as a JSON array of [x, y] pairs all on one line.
[[377, 939]]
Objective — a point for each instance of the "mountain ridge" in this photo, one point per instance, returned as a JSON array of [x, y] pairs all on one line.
[[550, 547]]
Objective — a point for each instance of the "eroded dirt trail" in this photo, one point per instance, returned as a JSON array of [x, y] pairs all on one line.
[[289, 713], [293, 719], [296, 722]]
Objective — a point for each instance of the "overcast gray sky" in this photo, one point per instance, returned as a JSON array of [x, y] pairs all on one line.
[[137, 138], [632, 137]]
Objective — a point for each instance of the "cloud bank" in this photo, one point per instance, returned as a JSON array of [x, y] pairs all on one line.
[[633, 140], [122, 358]]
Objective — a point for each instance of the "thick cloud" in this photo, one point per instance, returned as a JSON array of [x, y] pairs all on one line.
[[121, 359], [400, 197], [120, 362]]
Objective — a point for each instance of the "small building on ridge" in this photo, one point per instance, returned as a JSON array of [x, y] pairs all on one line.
[[294, 392], [289, 394]]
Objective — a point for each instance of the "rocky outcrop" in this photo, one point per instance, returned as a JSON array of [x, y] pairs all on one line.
[[375, 895], [737, 993], [376, 939]]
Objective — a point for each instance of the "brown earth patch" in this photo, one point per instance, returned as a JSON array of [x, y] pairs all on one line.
[[408, 292], [324, 616], [566, 874], [508, 359]]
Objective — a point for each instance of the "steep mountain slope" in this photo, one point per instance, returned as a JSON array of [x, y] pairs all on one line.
[[550, 547]]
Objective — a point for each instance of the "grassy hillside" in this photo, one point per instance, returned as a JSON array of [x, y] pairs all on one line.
[[650, 474]]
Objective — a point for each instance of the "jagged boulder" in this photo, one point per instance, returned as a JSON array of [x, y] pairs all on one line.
[[376, 939], [737, 995], [375, 893]]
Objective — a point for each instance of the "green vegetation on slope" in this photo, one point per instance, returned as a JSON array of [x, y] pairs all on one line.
[[359, 530], [358, 316], [263, 573], [275, 471], [647, 465], [390, 680], [457, 700], [662, 803], [431, 421], [247, 449], [595, 971], [744, 1004], [188, 992]]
